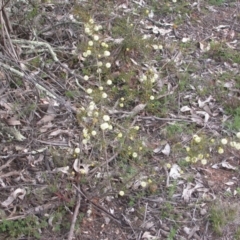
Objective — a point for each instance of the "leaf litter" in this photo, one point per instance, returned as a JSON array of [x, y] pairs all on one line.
[[161, 204]]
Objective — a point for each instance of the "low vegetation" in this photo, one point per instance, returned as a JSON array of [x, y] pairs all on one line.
[[120, 120]]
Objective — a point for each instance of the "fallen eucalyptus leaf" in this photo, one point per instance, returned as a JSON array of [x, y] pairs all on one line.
[[175, 171], [18, 193], [166, 151]]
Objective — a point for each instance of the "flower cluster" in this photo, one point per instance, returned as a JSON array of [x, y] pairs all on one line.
[[99, 130], [197, 145], [96, 46], [148, 79], [152, 77], [91, 28], [92, 131]]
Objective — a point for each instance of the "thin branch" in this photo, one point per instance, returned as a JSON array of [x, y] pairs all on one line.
[[74, 218], [40, 86], [7, 164]]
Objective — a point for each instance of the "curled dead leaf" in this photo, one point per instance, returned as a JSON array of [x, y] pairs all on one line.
[[18, 193], [166, 150], [80, 167], [185, 109]]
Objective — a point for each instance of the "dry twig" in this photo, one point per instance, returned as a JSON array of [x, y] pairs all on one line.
[[74, 218]]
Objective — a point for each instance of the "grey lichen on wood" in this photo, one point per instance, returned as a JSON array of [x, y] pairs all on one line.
[[11, 132]]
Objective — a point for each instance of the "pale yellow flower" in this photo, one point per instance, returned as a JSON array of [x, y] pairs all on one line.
[[120, 135], [143, 78], [224, 141], [82, 171], [77, 150], [89, 90], [121, 193], [89, 52], [152, 97], [108, 65], [104, 126], [232, 144], [109, 82], [99, 64], [220, 150], [194, 160], [143, 184], [134, 155], [86, 77], [85, 54], [87, 30], [95, 37], [168, 165], [155, 46], [187, 149], [197, 139], [155, 76], [96, 28], [106, 53], [238, 135], [237, 146], [85, 132], [104, 95], [91, 21], [91, 107], [94, 133], [204, 161], [90, 43], [106, 118]]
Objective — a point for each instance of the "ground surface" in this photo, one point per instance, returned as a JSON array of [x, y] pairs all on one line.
[[120, 120]]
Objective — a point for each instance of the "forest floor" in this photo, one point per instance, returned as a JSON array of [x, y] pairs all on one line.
[[120, 120]]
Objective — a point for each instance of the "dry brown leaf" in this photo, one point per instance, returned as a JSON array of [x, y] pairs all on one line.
[[205, 114], [45, 127], [201, 104], [49, 116], [58, 132], [13, 122]]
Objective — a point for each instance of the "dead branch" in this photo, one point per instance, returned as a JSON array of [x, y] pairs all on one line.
[[74, 218]]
